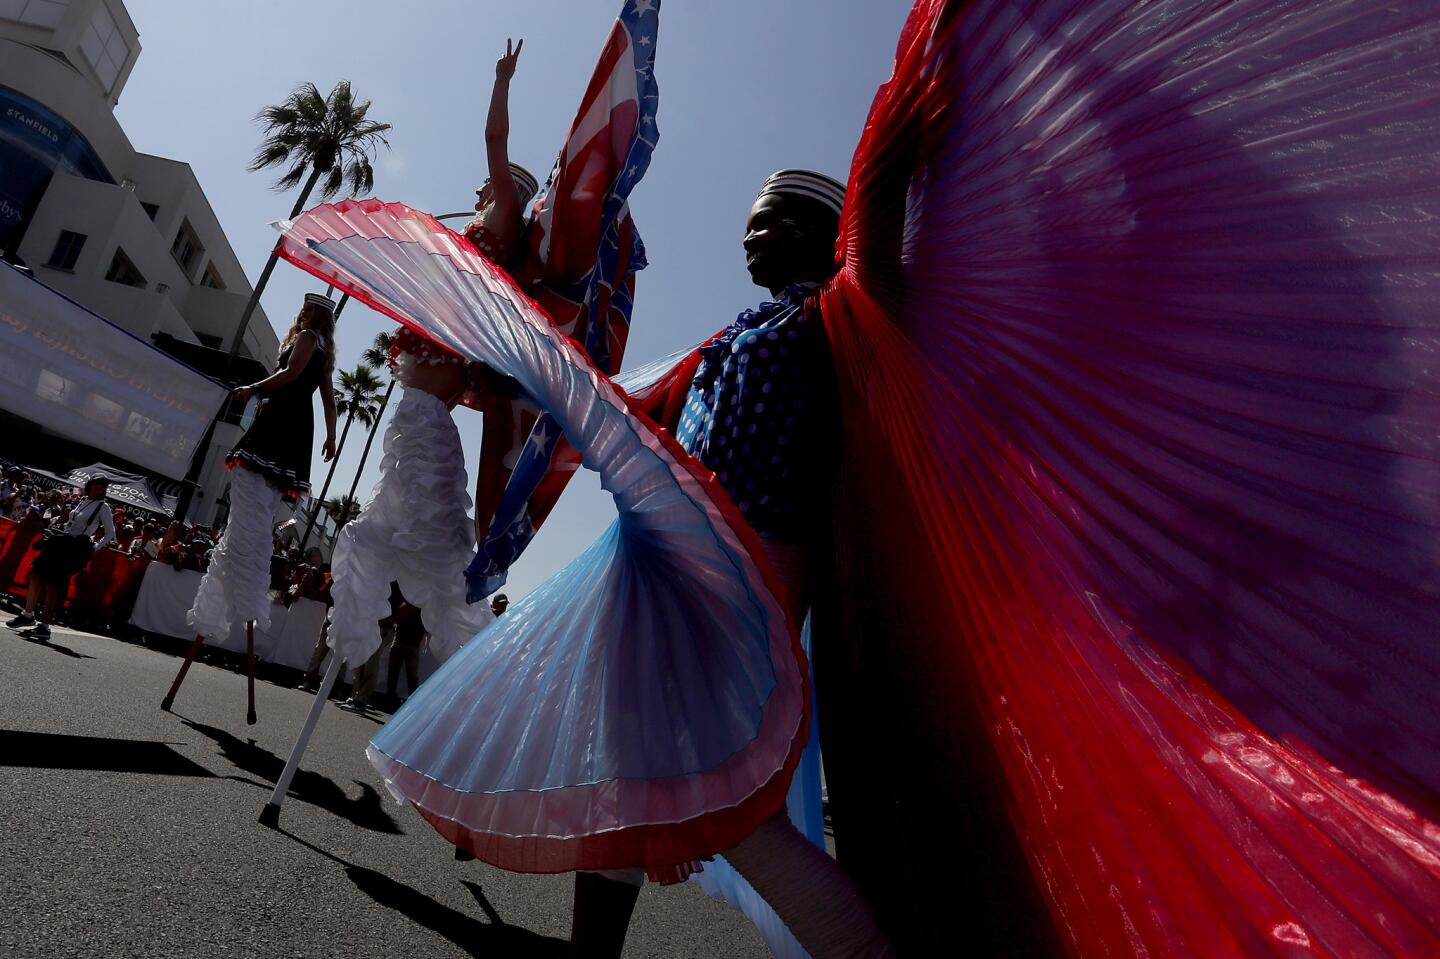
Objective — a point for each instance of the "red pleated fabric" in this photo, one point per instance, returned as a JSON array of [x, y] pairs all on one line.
[[1132, 649]]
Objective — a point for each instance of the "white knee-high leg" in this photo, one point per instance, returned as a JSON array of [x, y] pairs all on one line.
[[236, 586]]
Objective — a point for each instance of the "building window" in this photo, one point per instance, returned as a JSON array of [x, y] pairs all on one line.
[[104, 47], [212, 278], [67, 250], [186, 249], [152, 210], [38, 13], [123, 271], [210, 340]]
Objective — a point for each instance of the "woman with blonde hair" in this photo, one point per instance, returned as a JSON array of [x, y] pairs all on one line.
[[270, 463]]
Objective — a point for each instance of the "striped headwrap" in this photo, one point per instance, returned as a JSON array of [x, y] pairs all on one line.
[[807, 183]]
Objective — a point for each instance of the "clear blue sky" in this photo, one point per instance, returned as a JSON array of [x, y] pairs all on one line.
[[746, 87]]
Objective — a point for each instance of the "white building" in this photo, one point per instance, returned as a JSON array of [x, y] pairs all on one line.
[[129, 235]]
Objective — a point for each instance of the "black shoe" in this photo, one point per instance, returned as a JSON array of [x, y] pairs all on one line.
[[21, 621], [39, 633]]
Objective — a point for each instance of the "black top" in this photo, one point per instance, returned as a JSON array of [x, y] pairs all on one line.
[[280, 443]]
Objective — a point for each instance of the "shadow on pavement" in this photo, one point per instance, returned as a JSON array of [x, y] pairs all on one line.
[[366, 810], [66, 650], [55, 647], [483, 902], [467, 933], [97, 753]]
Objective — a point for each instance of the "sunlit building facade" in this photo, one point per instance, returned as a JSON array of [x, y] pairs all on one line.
[[126, 234]]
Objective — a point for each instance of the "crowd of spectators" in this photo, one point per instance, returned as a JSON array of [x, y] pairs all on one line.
[[141, 534], [294, 576], [35, 507]]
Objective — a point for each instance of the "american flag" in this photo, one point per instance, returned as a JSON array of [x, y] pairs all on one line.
[[580, 263]]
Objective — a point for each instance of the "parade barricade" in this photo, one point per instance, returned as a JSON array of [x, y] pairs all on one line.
[[293, 633], [166, 595], [108, 587], [16, 553]]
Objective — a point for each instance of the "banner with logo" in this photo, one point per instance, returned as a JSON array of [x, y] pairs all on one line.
[[80, 376]]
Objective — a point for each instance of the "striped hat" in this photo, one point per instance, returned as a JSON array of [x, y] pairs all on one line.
[[525, 183], [806, 183], [320, 300]]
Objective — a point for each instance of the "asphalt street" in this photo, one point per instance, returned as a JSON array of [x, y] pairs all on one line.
[[128, 831]]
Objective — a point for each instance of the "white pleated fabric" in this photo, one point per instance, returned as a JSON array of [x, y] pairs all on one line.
[[416, 530], [647, 705], [236, 587]]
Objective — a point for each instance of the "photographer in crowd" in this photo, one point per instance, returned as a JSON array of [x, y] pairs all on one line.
[[66, 550]]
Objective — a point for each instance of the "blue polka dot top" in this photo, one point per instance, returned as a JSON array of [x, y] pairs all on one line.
[[762, 414]]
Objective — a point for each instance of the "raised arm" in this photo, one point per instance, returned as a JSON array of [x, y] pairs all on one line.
[[503, 217]]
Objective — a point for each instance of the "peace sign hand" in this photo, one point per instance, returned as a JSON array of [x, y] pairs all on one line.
[[505, 66]]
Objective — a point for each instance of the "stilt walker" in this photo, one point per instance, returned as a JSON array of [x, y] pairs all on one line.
[[270, 464], [578, 254]]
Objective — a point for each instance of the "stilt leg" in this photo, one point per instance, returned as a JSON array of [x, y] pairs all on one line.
[[169, 699], [270, 815], [250, 669]]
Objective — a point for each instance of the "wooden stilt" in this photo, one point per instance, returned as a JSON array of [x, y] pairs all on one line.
[[250, 669], [169, 699]]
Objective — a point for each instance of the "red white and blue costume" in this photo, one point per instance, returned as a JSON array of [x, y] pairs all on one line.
[[1133, 341]]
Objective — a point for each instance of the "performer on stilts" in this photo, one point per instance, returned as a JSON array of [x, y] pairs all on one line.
[[270, 464], [417, 529]]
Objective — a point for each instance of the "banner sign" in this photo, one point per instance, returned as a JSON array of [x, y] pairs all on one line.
[[78, 375]]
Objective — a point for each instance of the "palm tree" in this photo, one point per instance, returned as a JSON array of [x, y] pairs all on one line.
[[355, 399], [329, 136], [342, 509], [326, 136], [378, 356]]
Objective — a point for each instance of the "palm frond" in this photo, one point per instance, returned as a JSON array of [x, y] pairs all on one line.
[[361, 176], [377, 354], [333, 181], [271, 153], [293, 177], [278, 115], [341, 509]]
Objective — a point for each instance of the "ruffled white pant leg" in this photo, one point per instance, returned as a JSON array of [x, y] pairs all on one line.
[[416, 530], [236, 586]]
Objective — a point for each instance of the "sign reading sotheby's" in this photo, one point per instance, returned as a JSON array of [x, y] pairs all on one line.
[[80, 376]]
